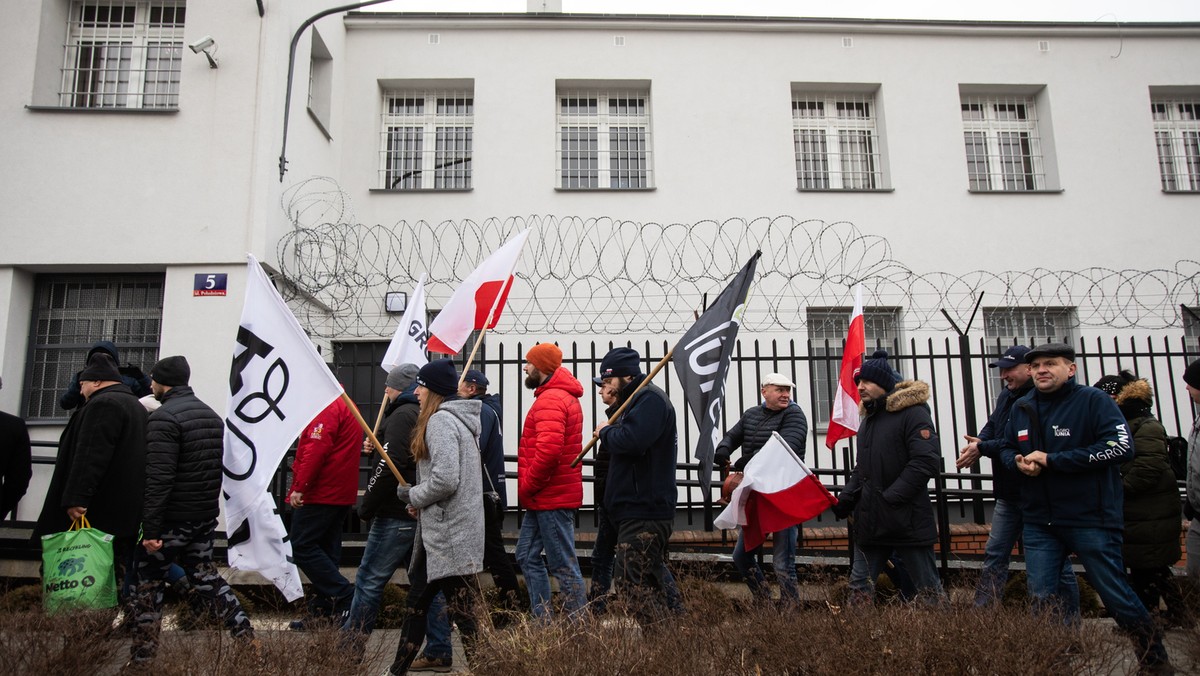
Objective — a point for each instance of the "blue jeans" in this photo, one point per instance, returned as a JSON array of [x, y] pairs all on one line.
[[604, 555], [551, 531], [863, 589], [389, 545], [1099, 550], [1007, 523], [437, 630], [919, 563], [316, 547], [783, 558]]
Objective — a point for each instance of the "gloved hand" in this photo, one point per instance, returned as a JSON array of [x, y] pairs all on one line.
[[402, 492], [721, 461], [1189, 512], [842, 509]]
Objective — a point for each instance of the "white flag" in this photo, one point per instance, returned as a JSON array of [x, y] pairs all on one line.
[[479, 300], [408, 345], [277, 384]]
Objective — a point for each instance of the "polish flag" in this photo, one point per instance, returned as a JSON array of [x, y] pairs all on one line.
[[478, 301], [843, 423], [777, 491]]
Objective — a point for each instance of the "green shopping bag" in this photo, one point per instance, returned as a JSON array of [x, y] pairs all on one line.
[[77, 569]]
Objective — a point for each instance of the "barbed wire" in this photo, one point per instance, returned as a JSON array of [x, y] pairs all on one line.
[[607, 276]]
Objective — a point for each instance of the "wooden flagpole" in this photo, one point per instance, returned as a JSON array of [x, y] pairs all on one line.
[[374, 440], [382, 408], [617, 414]]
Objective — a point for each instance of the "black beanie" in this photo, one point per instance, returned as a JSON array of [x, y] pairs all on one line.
[[171, 371], [440, 377], [1192, 375], [100, 366], [621, 362], [877, 370]]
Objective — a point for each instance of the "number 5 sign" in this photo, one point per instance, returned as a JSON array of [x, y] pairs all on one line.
[[209, 285]]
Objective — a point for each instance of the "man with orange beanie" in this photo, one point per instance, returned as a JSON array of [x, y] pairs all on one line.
[[547, 486]]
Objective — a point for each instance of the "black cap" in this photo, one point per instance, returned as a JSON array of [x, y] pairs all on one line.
[[1051, 350], [1011, 357], [620, 362], [171, 371]]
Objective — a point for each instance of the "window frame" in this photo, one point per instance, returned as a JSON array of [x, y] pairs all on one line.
[[607, 146], [991, 129], [883, 329], [436, 126], [825, 169], [1179, 135]]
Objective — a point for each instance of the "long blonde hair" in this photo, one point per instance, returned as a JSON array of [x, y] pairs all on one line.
[[430, 403]]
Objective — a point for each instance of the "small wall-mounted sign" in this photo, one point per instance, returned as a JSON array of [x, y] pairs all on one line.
[[210, 285]]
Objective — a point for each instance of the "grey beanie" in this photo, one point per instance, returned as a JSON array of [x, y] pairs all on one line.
[[402, 377]]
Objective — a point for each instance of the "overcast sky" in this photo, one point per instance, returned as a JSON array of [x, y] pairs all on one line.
[[1010, 10]]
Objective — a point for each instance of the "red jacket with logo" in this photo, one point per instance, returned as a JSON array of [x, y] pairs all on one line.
[[550, 441], [326, 468]]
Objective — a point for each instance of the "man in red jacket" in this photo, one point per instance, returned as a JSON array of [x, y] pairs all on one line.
[[324, 487], [547, 486]]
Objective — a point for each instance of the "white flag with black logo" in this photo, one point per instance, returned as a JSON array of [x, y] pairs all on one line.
[[412, 335], [277, 385]]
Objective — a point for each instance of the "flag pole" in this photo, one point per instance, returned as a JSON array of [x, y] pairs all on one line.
[[382, 408], [617, 414], [374, 440]]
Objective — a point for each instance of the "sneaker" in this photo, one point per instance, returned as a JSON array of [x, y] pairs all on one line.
[[298, 625], [439, 665]]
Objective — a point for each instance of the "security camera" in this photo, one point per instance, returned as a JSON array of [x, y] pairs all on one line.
[[202, 44]]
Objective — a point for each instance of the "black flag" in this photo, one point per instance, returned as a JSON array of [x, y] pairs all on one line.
[[702, 359]]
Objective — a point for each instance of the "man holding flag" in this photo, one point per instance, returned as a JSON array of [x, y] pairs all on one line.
[[777, 413]]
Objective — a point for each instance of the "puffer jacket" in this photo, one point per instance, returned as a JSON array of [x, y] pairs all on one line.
[[1085, 439], [642, 449], [898, 454], [1152, 514], [396, 435], [449, 494], [550, 441], [184, 447], [755, 428], [325, 471]]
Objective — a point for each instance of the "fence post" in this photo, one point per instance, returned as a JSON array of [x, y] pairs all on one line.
[[968, 380]]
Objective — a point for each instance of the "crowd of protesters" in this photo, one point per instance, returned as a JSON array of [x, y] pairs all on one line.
[[1079, 471]]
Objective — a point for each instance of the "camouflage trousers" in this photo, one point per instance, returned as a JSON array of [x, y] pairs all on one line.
[[189, 544]]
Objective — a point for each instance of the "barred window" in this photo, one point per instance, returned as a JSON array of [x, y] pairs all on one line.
[[603, 140], [71, 312], [1030, 326], [427, 140], [827, 329], [123, 55], [1177, 138], [836, 141], [1003, 143]]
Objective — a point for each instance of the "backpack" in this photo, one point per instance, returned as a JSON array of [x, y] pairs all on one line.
[[1177, 455]]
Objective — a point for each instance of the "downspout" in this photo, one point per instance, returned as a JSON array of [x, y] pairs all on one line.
[[287, 102]]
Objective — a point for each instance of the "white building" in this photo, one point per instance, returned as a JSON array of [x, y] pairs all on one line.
[[1054, 168]]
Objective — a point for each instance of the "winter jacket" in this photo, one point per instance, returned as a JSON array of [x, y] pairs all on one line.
[[642, 447], [755, 428], [898, 454], [1005, 482], [184, 448], [138, 382], [380, 499], [448, 493], [1086, 439], [491, 445], [600, 468], [16, 462], [101, 465], [1152, 514], [325, 471], [550, 441], [1193, 467]]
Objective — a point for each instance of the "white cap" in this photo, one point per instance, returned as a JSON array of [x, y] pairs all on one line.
[[777, 379]]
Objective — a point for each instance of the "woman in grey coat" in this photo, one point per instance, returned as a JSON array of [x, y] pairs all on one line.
[[448, 503]]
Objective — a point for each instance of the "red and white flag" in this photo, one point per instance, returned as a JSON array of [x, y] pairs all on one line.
[[777, 491], [843, 422], [478, 301], [408, 344]]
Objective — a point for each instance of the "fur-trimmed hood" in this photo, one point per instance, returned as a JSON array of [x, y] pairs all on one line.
[[907, 393], [1138, 390]]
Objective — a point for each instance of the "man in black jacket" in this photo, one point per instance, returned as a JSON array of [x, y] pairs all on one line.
[[183, 481], [1006, 517], [888, 491], [101, 466], [16, 462], [640, 493], [777, 413]]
